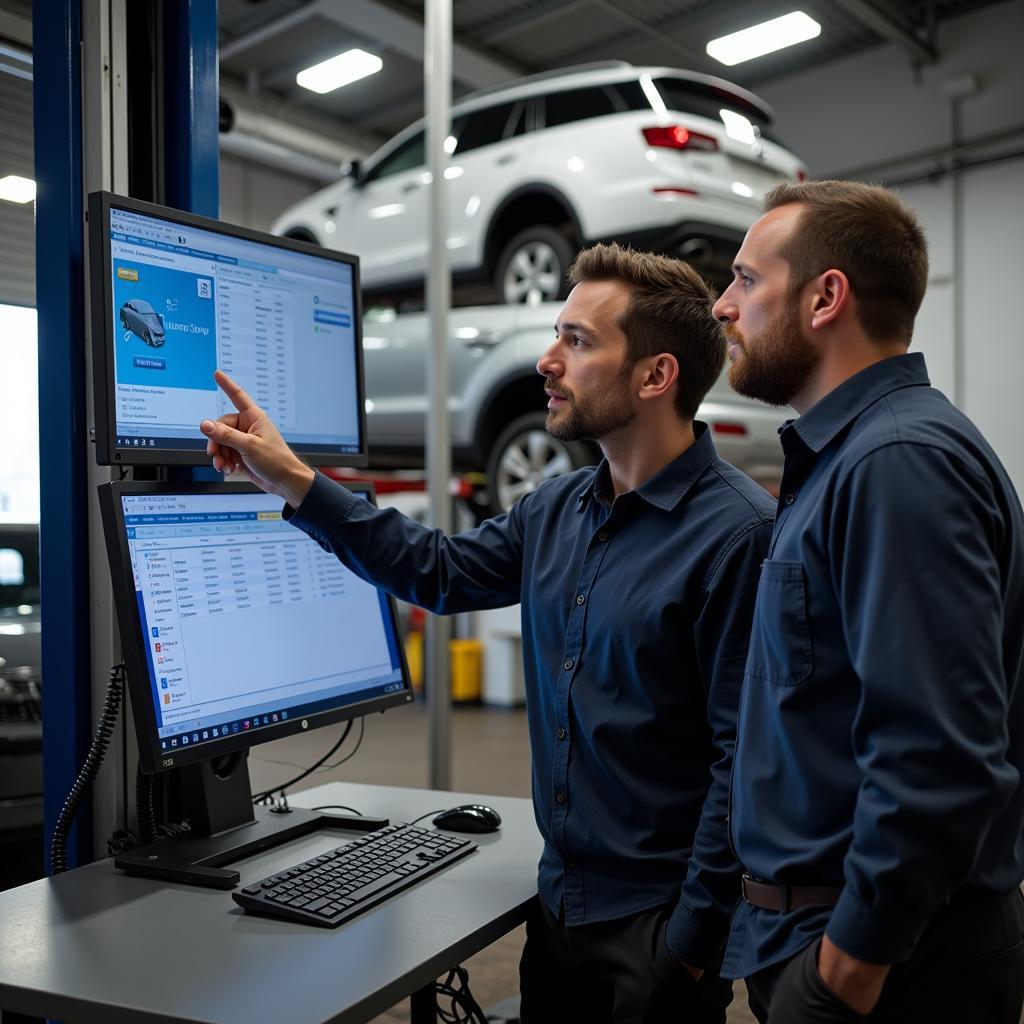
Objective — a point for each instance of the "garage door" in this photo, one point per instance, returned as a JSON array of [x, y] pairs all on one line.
[[17, 220]]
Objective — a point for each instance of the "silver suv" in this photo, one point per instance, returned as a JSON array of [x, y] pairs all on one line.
[[666, 160], [497, 402]]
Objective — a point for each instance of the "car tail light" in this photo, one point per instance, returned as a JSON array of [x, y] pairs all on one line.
[[675, 136], [733, 429]]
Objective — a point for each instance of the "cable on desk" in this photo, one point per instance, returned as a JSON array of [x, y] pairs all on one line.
[[93, 760], [260, 797], [427, 815], [337, 807], [462, 1008]]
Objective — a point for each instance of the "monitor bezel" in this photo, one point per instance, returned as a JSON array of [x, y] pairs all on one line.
[[133, 651], [103, 336]]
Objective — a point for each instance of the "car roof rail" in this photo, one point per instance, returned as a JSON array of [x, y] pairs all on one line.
[[544, 76]]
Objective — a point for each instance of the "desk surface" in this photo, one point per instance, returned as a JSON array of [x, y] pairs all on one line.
[[94, 946]]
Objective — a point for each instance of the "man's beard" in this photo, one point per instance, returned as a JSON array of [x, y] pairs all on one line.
[[595, 419], [776, 366]]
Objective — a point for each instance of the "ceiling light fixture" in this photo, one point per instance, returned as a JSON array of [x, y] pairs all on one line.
[[17, 190], [767, 37], [346, 68]]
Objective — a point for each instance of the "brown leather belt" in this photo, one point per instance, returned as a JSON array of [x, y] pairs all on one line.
[[784, 898]]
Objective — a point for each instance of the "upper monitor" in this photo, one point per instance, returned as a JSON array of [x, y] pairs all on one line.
[[175, 296]]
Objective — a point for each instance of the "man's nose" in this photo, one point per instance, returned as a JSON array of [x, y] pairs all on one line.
[[724, 310], [548, 365]]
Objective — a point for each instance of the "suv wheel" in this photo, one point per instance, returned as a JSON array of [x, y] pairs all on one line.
[[525, 455], [532, 267]]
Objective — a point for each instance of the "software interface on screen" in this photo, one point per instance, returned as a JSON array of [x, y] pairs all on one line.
[[186, 301], [246, 621]]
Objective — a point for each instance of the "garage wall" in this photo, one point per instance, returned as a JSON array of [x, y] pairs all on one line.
[[875, 109], [17, 220], [253, 195]]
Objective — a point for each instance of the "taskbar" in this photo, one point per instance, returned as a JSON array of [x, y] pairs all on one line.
[[196, 732], [180, 444]]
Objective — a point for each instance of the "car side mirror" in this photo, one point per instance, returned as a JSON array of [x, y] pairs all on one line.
[[354, 170]]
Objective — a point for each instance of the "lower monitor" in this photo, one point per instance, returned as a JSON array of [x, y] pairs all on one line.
[[236, 629]]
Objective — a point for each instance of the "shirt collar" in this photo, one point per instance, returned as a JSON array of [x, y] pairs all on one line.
[[843, 404], [670, 484]]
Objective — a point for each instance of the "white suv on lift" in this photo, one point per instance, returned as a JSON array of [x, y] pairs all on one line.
[[661, 159]]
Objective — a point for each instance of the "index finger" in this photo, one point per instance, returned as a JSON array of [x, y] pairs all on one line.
[[239, 398]]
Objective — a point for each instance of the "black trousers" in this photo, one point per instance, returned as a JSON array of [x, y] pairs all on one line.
[[967, 968], [612, 972]]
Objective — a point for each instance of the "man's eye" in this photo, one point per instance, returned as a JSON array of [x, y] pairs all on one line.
[[577, 341]]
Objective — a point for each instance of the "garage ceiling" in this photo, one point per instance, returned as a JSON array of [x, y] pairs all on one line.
[[265, 42]]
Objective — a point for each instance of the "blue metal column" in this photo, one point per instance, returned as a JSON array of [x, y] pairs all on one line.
[[191, 107], [67, 691]]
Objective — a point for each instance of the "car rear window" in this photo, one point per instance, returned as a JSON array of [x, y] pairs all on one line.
[[707, 101]]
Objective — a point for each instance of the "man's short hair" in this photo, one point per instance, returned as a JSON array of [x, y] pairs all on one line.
[[669, 311], [869, 234]]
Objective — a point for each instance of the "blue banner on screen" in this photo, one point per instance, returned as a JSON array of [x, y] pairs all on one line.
[[186, 301]]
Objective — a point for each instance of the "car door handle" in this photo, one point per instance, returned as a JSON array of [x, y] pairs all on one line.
[[411, 187], [506, 159], [485, 339]]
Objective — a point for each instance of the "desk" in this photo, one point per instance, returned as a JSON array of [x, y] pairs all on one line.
[[93, 946]]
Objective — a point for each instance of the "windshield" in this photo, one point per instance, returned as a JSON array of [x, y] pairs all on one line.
[[19, 571]]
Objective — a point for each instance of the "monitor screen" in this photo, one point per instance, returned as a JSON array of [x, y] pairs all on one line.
[[236, 627], [175, 296]]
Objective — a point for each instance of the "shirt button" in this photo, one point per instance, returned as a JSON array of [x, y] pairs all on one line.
[[571, 862], [567, 664], [559, 798], [790, 498], [580, 599], [602, 535], [560, 734]]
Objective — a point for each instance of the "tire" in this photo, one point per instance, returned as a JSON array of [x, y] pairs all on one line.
[[532, 267], [524, 455]]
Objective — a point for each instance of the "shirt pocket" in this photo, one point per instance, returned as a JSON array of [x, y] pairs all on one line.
[[780, 643]]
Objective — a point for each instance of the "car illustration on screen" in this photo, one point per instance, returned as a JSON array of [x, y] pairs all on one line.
[[139, 317]]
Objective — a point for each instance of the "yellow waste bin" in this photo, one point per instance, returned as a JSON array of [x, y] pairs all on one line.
[[465, 665]]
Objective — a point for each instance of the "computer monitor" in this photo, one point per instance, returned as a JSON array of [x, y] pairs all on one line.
[[237, 629], [175, 296]]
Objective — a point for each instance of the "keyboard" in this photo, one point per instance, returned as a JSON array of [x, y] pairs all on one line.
[[340, 884]]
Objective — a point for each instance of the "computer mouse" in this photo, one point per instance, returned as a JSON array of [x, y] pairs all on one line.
[[469, 818]]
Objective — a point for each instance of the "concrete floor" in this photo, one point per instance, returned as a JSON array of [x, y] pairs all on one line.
[[490, 754]]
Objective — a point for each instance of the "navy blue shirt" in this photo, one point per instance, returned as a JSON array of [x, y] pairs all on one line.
[[635, 618], [881, 730]]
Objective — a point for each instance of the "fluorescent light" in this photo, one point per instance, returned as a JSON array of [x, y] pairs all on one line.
[[767, 37], [344, 69], [17, 190]]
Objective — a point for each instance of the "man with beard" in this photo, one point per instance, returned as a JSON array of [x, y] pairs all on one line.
[[877, 801], [636, 580]]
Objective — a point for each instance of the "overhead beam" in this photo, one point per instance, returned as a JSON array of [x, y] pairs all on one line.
[[404, 35], [267, 32], [516, 24], [15, 28], [890, 27]]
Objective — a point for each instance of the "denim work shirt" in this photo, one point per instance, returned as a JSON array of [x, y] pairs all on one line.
[[881, 729], [635, 618]]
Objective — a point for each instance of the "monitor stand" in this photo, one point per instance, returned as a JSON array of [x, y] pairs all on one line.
[[226, 827]]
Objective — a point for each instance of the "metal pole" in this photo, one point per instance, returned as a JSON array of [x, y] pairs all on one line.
[[437, 89]]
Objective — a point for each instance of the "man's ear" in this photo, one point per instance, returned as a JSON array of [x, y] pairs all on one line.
[[829, 295], [660, 373]]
